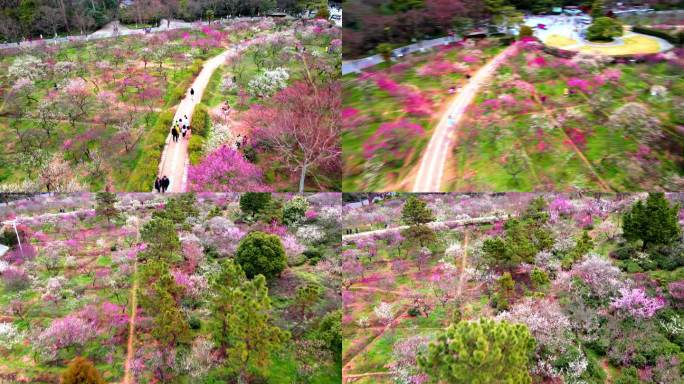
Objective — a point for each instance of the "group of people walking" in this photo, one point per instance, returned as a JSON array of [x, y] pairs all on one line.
[[162, 184], [180, 127]]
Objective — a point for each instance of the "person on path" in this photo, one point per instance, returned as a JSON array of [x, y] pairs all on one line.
[[157, 185], [192, 94], [165, 182], [186, 122], [174, 133], [184, 130]]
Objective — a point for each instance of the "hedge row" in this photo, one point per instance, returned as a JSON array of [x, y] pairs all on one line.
[[677, 39], [200, 124], [142, 177]]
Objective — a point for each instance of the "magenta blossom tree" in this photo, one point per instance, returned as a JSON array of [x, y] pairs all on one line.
[[225, 170]]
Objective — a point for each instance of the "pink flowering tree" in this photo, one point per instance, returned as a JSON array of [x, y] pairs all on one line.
[[69, 332], [225, 170], [637, 304], [301, 124]]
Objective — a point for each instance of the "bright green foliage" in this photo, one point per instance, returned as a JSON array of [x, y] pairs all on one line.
[[330, 331], [582, 247], [261, 253], [628, 375], [240, 321], [505, 290], [484, 352], [105, 205], [536, 210], [307, 296], [654, 223], [81, 371], [539, 278], [162, 240], [253, 202], [415, 211], [294, 210], [604, 29], [179, 209], [598, 9]]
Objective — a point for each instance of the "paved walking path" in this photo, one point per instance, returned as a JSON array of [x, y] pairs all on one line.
[[174, 159], [350, 66], [433, 225], [431, 171]]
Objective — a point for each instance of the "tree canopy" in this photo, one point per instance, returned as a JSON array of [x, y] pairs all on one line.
[[480, 352], [654, 223], [261, 253]]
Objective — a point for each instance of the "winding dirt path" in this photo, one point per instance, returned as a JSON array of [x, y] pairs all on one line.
[[464, 261], [130, 352], [431, 171]]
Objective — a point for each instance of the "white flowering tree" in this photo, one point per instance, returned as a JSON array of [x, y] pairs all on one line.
[[268, 83], [383, 312], [27, 66]]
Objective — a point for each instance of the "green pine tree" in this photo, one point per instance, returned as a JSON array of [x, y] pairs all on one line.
[[240, 321], [415, 211], [654, 223], [485, 352], [105, 205]]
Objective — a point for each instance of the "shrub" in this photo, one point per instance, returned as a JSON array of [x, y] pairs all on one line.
[[194, 323], [253, 202], [195, 149], [604, 29], [526, 31], [294, 210], [81, 371], [330, 331], [200, 120], [674, 39], [625, 251], [261, 253], [539, 278], [313, 254]]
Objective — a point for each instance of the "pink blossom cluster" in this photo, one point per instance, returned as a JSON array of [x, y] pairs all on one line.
[[415, 102], [225, 170], [635, 302], [394, 137]]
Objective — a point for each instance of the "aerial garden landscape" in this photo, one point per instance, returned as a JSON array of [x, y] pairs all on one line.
[[515, 287], [145, 288], [513, 96], [96, 112]]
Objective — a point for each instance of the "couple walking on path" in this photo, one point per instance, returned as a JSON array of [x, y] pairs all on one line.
[[182, 126], [161, 185]]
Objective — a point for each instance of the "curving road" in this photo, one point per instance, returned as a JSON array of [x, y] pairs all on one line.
[[431, 171]]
